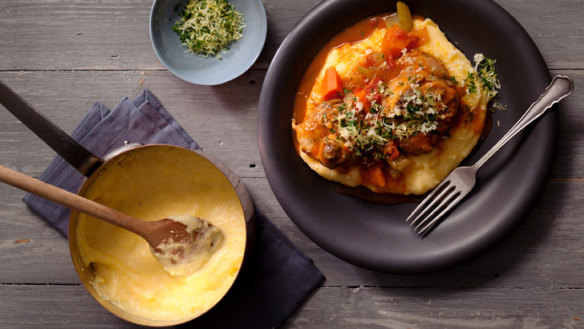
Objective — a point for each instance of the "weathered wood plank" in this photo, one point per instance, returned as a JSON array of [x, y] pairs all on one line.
[[556, 28], [31, 251], [568, 158], [77, 31], [114, 35], [332, 307], [362, 307], [45, 306]]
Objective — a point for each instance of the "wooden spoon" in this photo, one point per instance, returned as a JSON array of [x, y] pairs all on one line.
[[182, 245]]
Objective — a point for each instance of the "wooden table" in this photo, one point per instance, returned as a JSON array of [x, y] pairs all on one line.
[[63, 55]]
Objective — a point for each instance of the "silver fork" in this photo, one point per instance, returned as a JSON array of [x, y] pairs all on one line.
[[461, 180]]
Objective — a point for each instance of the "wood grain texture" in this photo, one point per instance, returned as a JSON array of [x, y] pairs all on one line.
[[64, 55], [356, 307], [69, 35], [442, 309]]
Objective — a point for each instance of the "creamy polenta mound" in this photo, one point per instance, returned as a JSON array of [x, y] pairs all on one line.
[[151, 185], [389, 109]]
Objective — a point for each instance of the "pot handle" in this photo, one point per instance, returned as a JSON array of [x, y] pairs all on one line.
[[69, 149]]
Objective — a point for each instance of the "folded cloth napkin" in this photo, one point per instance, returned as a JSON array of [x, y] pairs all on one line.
[[274, 280]]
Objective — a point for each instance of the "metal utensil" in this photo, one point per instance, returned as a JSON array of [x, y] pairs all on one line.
[[461, 180]]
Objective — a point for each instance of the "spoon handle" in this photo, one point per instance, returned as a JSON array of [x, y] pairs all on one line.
[[71, 200]]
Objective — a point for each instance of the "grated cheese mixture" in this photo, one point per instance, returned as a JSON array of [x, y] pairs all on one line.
[[208, 27]]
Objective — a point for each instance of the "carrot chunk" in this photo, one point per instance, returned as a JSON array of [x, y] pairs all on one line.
[[360, 94], [332, 85], [375, 176], [392, 150], [397, 39]]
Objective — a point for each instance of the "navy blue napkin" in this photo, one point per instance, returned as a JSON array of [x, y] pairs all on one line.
[[274, 280]]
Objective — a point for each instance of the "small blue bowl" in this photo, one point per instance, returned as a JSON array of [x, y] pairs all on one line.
[[207, 70]]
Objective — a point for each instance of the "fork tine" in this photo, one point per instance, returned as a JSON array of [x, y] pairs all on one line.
[[422, 206], [451, 203], [442, 201], [428, 202]]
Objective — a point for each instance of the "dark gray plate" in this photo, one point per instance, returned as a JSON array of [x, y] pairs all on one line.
[[375, 236]]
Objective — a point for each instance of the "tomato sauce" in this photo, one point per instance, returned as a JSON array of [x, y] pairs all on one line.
[[353, 34]]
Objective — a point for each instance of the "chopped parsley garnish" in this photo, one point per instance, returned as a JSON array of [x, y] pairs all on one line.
[[470, 83], [367, 130], [485, 68], [207, 27]]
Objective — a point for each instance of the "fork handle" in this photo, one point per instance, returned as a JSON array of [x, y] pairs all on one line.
[[560, 87]]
